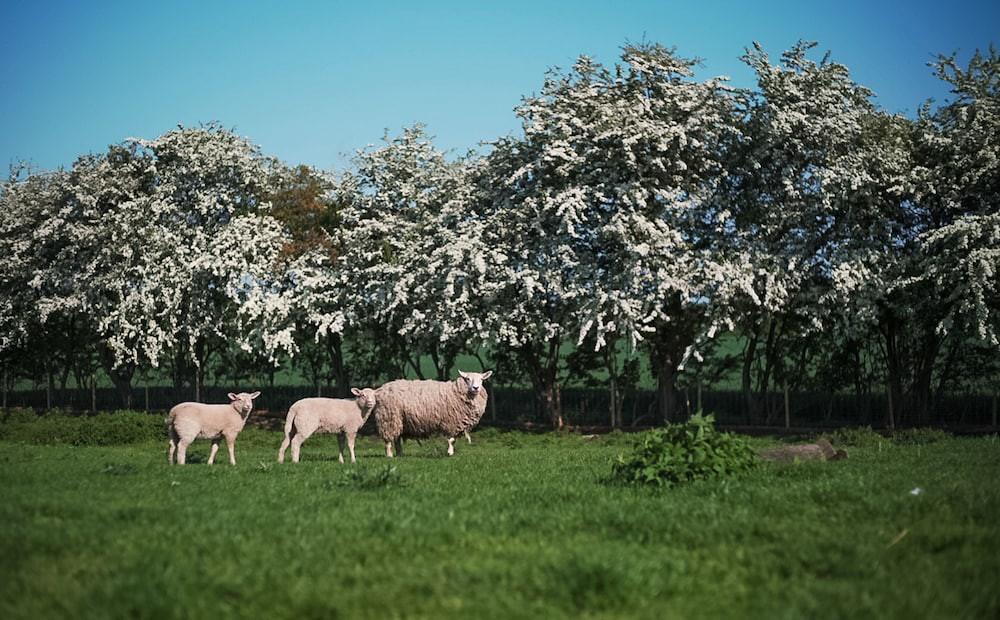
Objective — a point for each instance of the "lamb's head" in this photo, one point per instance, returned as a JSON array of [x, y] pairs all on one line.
[[473, 381], [243, 402], [366, 399]]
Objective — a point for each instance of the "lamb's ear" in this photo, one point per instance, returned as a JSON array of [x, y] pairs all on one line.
[[356, 391], [487, 375], [254, 395], [232, 396]]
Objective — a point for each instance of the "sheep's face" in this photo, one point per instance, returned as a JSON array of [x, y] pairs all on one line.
[[366, 398], [243, 402], [474, 381]]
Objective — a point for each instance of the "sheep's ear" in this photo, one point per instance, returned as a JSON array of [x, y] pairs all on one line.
[[487, 375], [232, 396], [254, 395], [464, 375], [356, 391]]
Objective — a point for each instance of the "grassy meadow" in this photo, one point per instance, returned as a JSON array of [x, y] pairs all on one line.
[[514, 526]]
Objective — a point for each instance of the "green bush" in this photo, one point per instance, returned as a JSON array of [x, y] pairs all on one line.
[[678, 453], [919, 436], [106, 429]]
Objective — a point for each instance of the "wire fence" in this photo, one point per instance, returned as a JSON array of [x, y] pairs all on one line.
[[511, 406]]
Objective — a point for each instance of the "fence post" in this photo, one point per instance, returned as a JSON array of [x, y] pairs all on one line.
[[5, 387], [700, 410], [145, 390], [995, 398], [93, 393], [787, 412]]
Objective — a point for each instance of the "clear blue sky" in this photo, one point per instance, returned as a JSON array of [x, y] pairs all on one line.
[[312, 82]]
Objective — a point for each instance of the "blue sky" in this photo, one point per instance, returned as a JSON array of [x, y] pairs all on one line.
[[313, 82]]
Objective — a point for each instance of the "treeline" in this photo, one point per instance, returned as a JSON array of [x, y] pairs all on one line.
[[640, 212]]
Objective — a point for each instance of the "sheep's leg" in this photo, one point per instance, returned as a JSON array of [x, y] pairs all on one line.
[[399, 446], [340, 446], [284, 446], [350, 445], [468, 437], [182, 447], [388, 449], [451, 446], [215, 448], [170, 451], [297, 446], [231, 444]]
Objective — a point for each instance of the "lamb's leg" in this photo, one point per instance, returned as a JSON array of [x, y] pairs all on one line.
[[170, 451], [182, 446], [231, 444], [451, 446], [340, 447], [297, 446], [215, 448], [350, 445], [284, 446]]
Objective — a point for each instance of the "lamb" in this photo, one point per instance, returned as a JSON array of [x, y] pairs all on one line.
[[188, 421], [407, 408], [327, 415]]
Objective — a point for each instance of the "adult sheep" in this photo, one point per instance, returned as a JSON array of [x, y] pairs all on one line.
[[413, 409], [188, 421]]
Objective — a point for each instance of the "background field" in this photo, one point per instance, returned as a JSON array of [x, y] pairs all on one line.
[[515, 525]]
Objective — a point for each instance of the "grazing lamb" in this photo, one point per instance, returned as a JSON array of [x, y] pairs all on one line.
[[327, 415], [188, 421], [407, 408]]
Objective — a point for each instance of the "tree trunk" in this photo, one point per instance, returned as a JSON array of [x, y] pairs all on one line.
[[120, 376], [614, 396], [668, 401], [746, 385], [341, 374], [788, 422], [922, 394], [93, 394], [49, 385], [613, 405], [544, 369], [894, 387]]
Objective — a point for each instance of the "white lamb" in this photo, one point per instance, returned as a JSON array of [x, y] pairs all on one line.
[[327, 415], [407, 408], [188, 421]]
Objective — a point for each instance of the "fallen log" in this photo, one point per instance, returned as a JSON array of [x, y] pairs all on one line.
[[819, 451]]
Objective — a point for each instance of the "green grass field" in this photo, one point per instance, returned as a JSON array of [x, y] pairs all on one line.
[[513, 526]]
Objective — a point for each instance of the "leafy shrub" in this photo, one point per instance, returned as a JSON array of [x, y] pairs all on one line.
[[15, 417], [106, 429], [678, 453], [919, 436], [858, 437]]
